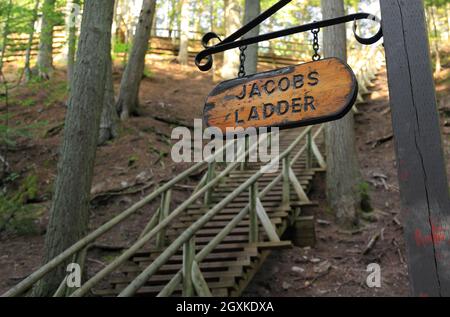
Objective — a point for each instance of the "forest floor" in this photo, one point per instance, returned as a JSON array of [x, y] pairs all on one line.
[[130, 167]]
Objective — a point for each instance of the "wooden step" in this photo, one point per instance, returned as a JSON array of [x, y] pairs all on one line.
[[222, 224], [273, 245], [240, 205], [231, 187], [178, 258], [234, 211], [214, 231], [174, 268], [227, 239], [227, 217], [294, 203], [220, 248], [266, 199], [154, 290], [213, 276]]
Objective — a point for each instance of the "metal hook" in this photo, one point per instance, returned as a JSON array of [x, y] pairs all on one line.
[[206, 65], [372, 39]]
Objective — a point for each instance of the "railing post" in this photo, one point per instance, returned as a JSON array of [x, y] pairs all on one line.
[[309, 156], [163, 213], [286, 182], [246, 146], [188, 260], [209, 177], [254, 227]]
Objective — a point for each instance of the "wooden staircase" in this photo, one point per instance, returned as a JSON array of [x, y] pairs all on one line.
[[232, 264]]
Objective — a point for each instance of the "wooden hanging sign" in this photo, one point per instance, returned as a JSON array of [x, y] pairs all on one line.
[[289, 97]]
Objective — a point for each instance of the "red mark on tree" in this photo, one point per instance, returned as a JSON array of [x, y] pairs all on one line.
[[437, 235]]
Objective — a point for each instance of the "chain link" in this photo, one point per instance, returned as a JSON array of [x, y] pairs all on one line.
[[315, 45], [242, 58]]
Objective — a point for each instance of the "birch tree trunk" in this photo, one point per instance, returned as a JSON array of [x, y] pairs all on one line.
[[184, 33], [252, 10], [69, 212], [232, 22], [45, 55], [128, 101], [343, 175]]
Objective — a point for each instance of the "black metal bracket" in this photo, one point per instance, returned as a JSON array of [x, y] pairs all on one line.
[[204, 60]]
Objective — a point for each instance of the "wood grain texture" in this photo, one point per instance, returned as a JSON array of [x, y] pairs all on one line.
[[289, 97], [421, 164]]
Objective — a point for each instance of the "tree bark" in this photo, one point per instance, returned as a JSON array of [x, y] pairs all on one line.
[[45, 55], [252, 10], [184, 33], [27, 67], [109, 119], [128, 101], [232, 22], [343, 175], [69, 212], [72, 44]]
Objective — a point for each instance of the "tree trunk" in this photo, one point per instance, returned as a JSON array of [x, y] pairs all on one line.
[[172, 19], [252, 10], [45, 55], [232, 22], [27, 67], [129, 87], [5, 34], [69, 212], [437, 69], [184, 33], [154, 24], [343, 175], [447, 15], [109, 119], [72, 42]]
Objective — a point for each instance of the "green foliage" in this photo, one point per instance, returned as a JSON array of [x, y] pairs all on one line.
[[148, 73], [9, 134], [120, 47], [16, 215], [28, 190], [132, 160], [364, 195]]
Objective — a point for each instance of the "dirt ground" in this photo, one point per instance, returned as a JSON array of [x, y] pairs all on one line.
[[140, 159]]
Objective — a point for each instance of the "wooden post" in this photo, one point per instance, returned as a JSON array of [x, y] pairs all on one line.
[[254, 227], [209, 177], [163, 214], [246, 146], [309, 163], [421, 164], [188, 259], [286, 183]]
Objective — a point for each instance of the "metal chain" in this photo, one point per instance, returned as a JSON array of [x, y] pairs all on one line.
[[242, 58], [315, 45]]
